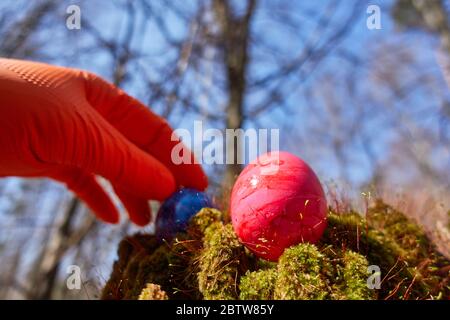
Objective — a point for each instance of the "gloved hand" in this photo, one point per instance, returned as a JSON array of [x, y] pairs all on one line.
[[70, 125]]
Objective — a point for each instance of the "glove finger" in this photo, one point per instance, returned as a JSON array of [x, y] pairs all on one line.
[[89, 191], [99, 148], [144, 128], [138, 209]]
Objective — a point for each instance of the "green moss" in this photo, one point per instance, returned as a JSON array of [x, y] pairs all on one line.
[[299, 276], [148, 269], [346, 273], [202, 220], [153, 292], [220, 263], [411, 240], [394, 243], [208, 262], [414, 251], [183, 267], [262, 264], [350, 231], [355, 274], [131, 250], [258, 285], [305, 273]]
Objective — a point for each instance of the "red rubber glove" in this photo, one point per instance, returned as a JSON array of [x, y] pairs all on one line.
[[69, 125]]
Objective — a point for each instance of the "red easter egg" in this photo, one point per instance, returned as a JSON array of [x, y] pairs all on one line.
[[276, 202]]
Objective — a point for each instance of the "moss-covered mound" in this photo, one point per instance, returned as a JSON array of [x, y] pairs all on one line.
[[208, 262]]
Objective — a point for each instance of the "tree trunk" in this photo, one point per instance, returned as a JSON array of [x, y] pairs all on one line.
[[49, 262], [234, 36]]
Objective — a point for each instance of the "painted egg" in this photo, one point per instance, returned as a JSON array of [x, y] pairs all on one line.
[[276, 202], [174, 214]]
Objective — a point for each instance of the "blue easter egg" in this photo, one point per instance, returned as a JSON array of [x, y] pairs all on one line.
[[174, 214]]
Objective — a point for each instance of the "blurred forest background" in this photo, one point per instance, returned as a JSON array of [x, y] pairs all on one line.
[[369, 110]]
